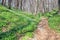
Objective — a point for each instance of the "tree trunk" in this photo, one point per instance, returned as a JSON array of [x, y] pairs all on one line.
[[17, 4], [59, 4], [3, 2], [9, 3]]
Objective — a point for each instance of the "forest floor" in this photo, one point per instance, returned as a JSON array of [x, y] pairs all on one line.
[[19, 25], [44, 32]]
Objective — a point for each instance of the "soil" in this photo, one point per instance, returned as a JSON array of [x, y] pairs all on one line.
[[43, 32]]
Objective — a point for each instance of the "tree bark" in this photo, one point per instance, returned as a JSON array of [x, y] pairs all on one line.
[[9, 3], [3, 2], [59, 4]]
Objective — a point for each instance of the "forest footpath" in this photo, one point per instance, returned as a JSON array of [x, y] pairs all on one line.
[[44, 32]]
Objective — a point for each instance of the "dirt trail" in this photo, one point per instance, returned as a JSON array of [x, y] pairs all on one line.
[[43, 32]]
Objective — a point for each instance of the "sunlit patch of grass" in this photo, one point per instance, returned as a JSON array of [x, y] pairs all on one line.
[[54, 22], [27, 36]]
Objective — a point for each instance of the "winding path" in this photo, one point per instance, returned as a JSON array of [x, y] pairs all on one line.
[[43, 32]]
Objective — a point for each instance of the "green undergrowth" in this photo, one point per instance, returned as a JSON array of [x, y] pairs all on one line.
[[27, 35], [54, 20], [36, 17], [18, 23], [15, 22]]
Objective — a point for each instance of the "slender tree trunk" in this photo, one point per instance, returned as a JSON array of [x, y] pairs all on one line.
[[21, 4], [59, 4], [9, 3], [17, 3], [3, 2]]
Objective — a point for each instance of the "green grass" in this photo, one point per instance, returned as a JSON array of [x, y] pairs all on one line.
[[23, 23], [54, 20], [54, 23], [16, 22], [27, 35]]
